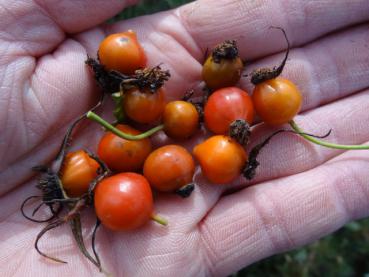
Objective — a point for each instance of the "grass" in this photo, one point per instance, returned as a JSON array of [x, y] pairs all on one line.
[[342, 254]]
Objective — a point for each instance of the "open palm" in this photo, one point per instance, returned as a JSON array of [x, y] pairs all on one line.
[[301, 191]]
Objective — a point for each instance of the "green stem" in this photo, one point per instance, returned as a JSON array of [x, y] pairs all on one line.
[[297, 129], [111, 128], [158, 219]]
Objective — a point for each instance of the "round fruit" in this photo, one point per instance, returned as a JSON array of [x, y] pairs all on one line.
[[221, 159], [124, 155], [225, 73], [78, 171], [144, 106], [123, 201], [180, 119], [169, 168], [277, 101], [122, 52], [226, 105]]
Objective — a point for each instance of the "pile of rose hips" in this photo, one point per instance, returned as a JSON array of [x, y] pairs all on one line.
[[123, 199]]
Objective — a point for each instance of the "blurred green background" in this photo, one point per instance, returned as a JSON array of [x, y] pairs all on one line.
[[342, 254]]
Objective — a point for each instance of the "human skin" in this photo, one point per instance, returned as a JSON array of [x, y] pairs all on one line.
[[301, 192]]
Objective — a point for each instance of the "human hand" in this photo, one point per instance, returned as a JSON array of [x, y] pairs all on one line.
[[301, 191]]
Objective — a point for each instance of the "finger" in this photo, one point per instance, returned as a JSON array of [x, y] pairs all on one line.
[[36, 27], [276, 216], [327, 69], [208, 22], [77, 16]]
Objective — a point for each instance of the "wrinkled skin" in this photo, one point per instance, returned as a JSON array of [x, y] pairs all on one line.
[[301, 193]]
